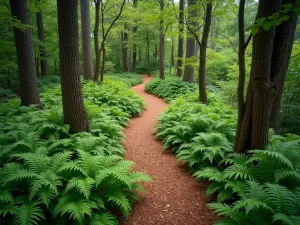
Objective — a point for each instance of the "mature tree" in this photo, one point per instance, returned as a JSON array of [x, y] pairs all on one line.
[[134, 53], [203, 47], [190, 42], [161, 42], [242, 65], [180, 39], [124, 38], [88, 71], [25, 54], [73, 108], [41, 36], [96, 39], [270, 57]]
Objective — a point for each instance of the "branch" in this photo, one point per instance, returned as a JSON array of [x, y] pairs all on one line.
[[247, 42], [7, 6], [232, 45], [112, 24], [295, 55]]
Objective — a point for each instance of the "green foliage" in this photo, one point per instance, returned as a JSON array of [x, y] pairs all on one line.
[[169, 89], [51, 176], [131, 79]]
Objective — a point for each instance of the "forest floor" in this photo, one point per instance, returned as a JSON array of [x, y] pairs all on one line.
[[174, 197]]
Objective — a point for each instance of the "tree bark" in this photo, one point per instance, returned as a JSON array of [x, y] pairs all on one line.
[[72, 99], [134, 55], [242, 67], [266, 79], [148, 53], [42, 48], [190, 44], [284, 38], [203, 47], [180, 39], [25, 55], [88, 71], [96, 40], [162, 43], [125, 50]]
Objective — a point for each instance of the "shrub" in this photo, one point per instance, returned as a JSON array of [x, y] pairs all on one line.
[[169, 89], [131, 79], [51, 176]]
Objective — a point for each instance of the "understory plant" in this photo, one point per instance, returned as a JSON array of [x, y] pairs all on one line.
[[261, 187], [49, 176], [170, 88]]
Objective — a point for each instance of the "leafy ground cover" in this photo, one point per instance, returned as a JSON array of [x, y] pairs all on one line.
[[262, 187], [51, 176], [169, 89]]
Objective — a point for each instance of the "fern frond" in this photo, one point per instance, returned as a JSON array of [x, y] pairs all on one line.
[[29, 214], [83, 185], [103, 219]]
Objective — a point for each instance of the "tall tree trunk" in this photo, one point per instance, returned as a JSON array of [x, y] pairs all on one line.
[[162, 43], [88, 71], [172, 55], [25, 55], [270, 57], [103, 63], [42, 48], [242, 66], [148, 53], [125, 50], [284, 39], [180, 39], [74, 112], [134, 45], [202, 64], [190, 44], [140, 55], [96, 40]]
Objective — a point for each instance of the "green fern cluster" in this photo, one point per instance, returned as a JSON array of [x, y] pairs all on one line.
[[131, 79], [261, 188], [169, 89], [52, 177], [199, 134]]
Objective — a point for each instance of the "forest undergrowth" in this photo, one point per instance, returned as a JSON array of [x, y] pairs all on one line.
[[261, 187], [50, 176]]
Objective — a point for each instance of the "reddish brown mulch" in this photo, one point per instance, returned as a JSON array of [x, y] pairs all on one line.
[[174, 197]]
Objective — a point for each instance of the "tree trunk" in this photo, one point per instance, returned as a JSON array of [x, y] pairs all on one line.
[[190, 45], [242, 66], [134, 45], [103, 63], [125, 50], [180, 39], [162, 43], [42, 48], [140, 55], [148, 53], [284, 38], [73, 108], [88, 71], [202, 64], [96, 39], [270, 57], [25, 55]]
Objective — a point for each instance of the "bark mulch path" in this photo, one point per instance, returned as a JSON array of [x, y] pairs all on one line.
[[174, 197]]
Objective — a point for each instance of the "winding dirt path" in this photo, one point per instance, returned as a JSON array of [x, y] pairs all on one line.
[[174, 197]]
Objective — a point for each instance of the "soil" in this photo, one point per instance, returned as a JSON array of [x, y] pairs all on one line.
[[174, 197]]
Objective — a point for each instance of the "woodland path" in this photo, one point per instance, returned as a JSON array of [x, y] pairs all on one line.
[[174, 197]]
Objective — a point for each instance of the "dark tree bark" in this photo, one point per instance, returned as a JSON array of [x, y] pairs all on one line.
[[88, 71], [25, 55], [161, 43], [172, 56], [148, 53], [140, 55], [242, 65], [284, 39], [190, 44], [96, 39], [180, 39], [73, 108], [124, 36], [270, 57], [134, 45], [203, 47], [42, 48]]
